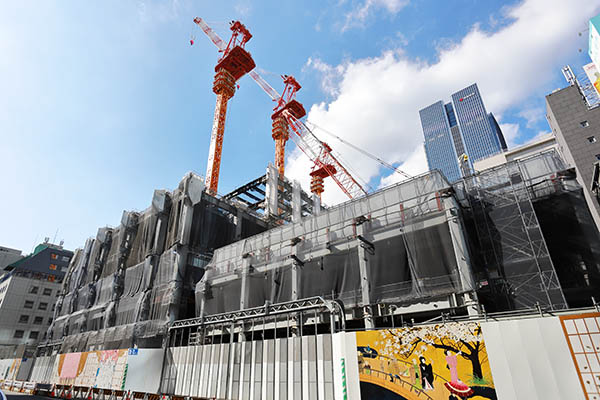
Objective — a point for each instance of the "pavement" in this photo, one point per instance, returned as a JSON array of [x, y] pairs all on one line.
[[21, 396]]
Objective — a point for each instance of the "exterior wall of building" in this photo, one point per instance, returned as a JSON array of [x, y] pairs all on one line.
[[462, 126], [577, 131], [439, 145], [8, 256], [46, 259], [26, 308], [545, 143], [479, 137]]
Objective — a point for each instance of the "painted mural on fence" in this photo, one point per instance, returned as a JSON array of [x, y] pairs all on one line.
[[105, 369], [446, 362], [9, 368]]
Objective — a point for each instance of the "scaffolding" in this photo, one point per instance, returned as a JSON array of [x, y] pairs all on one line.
[[514, 260]]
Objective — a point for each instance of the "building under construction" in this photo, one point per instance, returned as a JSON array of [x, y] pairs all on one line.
[[195, 270], [260, 293], [514, 237]]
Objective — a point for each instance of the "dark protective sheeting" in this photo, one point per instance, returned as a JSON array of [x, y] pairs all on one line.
[[333, 276], [223, 298], [396, 275], [574, 244]]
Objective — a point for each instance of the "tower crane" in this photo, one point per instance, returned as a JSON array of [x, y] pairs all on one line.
[[233, 64], [281, 131], [325, 163]]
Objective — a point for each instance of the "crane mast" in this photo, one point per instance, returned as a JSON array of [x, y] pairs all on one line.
[[281, 131], [235, 63]]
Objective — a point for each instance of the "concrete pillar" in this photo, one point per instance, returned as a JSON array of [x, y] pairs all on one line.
[[245, 290], [239, 221], [365, 274], [296, 202], [461, 254], [296, 273], [316, 204], [161, 202], [271, 191]]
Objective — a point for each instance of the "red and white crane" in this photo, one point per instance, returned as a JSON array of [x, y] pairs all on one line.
[[287, 114], [233, 64]]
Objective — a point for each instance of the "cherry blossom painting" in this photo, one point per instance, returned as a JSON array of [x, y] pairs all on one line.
[[447, 361]]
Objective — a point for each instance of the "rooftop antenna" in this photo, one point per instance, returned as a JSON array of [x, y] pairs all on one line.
[[35, 242], [55, 234]]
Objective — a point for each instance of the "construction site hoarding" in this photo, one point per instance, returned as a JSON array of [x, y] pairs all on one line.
[[124, 369], [506, 359], [546, 357]]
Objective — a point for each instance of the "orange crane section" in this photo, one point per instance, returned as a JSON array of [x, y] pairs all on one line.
[[281, 131], [235, 63]]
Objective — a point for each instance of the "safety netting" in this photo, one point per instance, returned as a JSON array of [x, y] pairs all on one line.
[[126, 284], [410, 254]]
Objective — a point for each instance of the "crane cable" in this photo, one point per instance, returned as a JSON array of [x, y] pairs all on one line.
[[366, 153]]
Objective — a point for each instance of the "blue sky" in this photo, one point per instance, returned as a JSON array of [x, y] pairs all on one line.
[[103, 102]]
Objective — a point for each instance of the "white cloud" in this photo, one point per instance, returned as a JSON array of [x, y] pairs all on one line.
[[377, 99], [243, 8], [330, 76], [415, 164], [359, 14], [511, 134], [532, 115]]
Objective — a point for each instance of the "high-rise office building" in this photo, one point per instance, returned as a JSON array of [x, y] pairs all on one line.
[[462, 126], [577, 129]]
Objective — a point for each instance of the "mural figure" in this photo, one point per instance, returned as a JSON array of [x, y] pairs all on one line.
[[426, 374], [455, 386]]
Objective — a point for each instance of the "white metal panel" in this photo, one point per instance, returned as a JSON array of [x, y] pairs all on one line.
[[196, 371], [223, 371], [203, 387], [177, 369], [143, 370], [530, 359], [214, 370]]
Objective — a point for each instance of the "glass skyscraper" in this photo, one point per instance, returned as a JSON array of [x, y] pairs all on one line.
[[462, 126]]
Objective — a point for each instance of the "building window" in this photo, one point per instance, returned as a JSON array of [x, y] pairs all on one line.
[[65, 259], [53, 267], [53, 256], [28, 304], [23, 319], [33, 334], [47, 291], [18, 334], [584, 124], [38, 320], [592, 139], [43, 306], [34, 289]]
